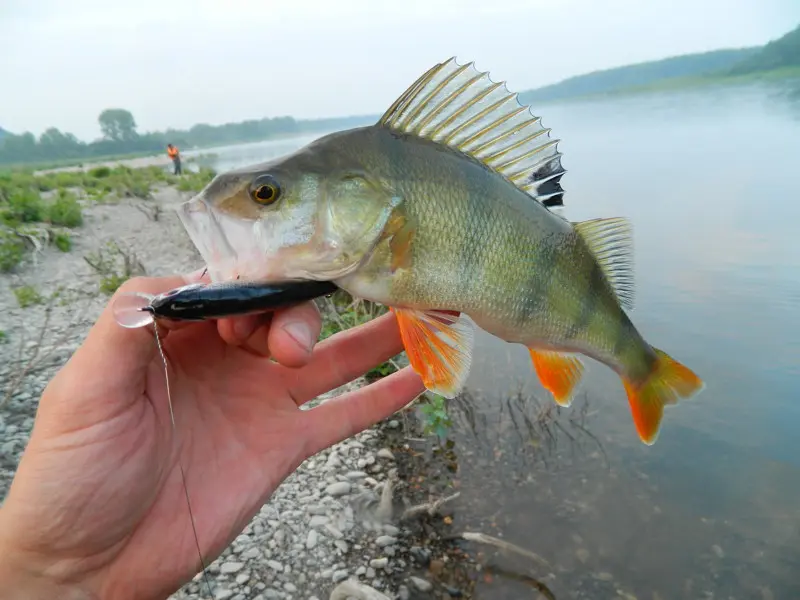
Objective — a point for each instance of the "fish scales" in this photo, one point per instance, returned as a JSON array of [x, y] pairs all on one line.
[[484, 249]]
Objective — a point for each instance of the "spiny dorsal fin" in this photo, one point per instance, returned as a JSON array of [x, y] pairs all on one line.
[[611, 242], [459, 106]]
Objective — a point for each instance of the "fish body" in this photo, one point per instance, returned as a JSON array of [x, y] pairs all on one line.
[[439, 210]]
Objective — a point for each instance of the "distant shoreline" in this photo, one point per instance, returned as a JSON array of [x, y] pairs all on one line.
[[669, 85]]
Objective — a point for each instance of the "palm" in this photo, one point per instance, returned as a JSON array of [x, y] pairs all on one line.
[[109, 458]]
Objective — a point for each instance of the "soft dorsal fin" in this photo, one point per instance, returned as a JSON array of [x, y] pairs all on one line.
[[462, 108], [611, 242]]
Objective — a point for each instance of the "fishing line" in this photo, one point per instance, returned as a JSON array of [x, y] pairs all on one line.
[[180, 463]]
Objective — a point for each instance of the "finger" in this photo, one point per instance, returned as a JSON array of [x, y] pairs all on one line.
[[288, 335], [293, 334], [345, 356], [344, 416]]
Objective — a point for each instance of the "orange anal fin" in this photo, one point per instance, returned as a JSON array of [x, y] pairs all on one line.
[[559, 373], [439, 346], [668, 383]]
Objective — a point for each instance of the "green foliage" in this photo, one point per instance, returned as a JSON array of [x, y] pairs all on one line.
[[100, 172], [62, 241], [436, 419], [23, 205], [12, 250], [27, 296], [114, 265], [193, 181], [3, 337], [65, 210]]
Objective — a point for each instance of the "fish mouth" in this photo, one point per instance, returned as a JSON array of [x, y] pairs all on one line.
[[270, 249], [208, 236]]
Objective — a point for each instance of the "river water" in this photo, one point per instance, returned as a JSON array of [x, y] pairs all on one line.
[[711, 183]]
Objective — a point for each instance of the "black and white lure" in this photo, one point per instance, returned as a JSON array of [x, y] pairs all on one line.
[[203, 301]]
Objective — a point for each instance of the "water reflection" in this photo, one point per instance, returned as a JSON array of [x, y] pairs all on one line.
[[710, 183]]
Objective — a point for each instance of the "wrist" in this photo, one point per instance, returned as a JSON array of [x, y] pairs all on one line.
[[22, 577]]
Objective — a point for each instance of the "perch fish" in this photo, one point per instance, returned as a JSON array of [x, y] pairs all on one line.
[[442, 210]]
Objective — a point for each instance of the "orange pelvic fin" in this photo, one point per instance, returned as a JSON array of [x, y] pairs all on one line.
[[439, 346], [559, 373], [668, 383]]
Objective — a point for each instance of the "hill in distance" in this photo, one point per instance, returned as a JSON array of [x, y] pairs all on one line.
[[781, 56]]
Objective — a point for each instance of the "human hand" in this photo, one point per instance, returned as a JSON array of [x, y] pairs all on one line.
[[97, 508]]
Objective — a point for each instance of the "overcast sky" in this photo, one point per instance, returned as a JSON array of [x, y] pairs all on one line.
[[180, 62]]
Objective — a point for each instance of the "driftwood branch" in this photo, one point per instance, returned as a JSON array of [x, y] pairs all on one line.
[[431, 508]]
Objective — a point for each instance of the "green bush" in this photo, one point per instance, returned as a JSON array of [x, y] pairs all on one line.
[[65, 210], [27, 296], [100, 172], [62, 241], [24, 205], [12, 250]]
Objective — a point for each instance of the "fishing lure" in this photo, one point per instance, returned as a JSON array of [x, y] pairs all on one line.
[[204, 301]]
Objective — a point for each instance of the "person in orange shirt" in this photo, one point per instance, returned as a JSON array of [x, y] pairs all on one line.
[[175, 155]]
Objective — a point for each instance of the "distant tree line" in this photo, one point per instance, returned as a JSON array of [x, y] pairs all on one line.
[[778, 54], [120, 136]]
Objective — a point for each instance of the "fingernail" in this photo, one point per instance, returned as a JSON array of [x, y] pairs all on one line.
[[300, 333]]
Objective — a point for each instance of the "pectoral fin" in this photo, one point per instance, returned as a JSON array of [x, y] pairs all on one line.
[[439, 346]]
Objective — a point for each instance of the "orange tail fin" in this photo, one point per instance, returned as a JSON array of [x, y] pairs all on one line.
[[668, 383]]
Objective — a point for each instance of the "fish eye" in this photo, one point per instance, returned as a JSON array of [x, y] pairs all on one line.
[[265, 190]]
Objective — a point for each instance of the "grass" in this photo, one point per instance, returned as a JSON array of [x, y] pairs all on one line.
[[115, 265], [62, 241], [12, 251], [27, 296]]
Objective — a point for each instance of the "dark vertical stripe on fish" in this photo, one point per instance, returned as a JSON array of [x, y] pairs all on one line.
[[589, 300]]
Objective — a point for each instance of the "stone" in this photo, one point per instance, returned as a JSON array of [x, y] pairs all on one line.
[[312, 539], [423, 585], [384, 540], [340, 488], [228, 568]]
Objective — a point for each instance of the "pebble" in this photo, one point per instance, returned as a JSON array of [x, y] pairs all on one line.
[[384, 540], [339, 575], [379, 563], [385, 453], [340, 488], [228, 568], [318, 521], [423, 585], [311, 540]]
